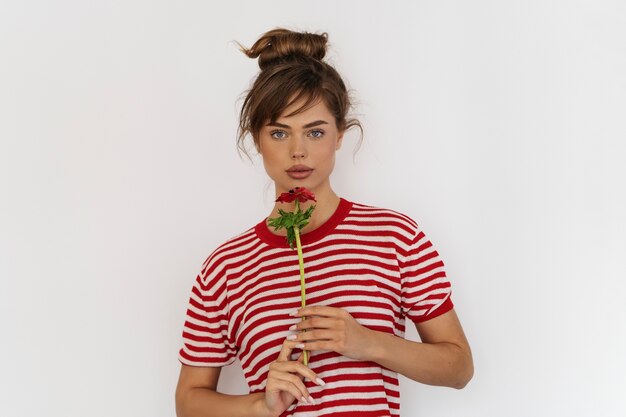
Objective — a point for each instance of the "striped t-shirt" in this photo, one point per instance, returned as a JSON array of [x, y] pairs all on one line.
[[375, 263]]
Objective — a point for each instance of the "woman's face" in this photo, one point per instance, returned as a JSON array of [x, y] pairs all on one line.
[[299, 150]]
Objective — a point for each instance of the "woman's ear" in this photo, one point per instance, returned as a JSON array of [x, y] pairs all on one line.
[[339, 140]]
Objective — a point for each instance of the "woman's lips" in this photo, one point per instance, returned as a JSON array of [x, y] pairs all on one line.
[[299, 172]]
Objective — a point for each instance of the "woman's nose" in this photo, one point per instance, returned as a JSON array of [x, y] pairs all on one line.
[[297, 149]]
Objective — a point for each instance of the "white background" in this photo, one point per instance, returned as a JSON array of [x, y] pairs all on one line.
[[498, 125]]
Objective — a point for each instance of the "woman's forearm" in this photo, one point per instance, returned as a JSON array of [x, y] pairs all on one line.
[[204, 402], [444, 364]]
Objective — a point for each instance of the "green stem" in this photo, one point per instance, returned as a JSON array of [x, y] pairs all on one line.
[[296, 231]]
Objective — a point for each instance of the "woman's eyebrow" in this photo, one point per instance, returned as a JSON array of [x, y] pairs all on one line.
[[306, 126]]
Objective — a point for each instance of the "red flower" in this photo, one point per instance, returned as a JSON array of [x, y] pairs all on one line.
[[299, 193]]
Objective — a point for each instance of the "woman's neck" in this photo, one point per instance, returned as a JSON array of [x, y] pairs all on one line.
[[325, 207]]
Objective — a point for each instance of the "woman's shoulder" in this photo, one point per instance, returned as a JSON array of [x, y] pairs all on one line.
[[231, 250], [373, 211], [379, 217]]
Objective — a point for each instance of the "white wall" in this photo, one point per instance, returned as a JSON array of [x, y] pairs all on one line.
[[497, 125]]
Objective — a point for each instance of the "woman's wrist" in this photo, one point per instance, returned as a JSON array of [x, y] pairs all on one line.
[[259, 407], [374, 351]]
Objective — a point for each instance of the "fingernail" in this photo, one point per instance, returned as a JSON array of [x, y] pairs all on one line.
[[300, 345], [292, 328], [293, 313], [311, 400], [303, 400], [320, 381], [292, 337]]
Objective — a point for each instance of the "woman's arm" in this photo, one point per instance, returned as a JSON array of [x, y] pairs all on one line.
[[197, 396], [442, 358]]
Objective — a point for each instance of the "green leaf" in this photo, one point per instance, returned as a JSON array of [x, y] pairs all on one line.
[[288, 221], [291, 237]]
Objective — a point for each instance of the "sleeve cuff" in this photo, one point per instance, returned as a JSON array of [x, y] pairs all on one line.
[[444, 307]]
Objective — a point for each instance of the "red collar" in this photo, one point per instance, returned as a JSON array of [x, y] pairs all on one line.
[[264, 233]]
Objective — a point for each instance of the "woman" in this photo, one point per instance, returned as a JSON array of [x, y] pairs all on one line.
[[367, 270]]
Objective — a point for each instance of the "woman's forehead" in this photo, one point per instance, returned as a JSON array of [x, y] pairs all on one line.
[[300, 110]]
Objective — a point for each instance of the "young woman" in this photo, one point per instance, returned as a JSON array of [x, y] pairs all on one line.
[[367, 270]]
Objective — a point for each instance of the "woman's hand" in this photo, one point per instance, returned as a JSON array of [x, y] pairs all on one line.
[[285, 381], [330, 328]]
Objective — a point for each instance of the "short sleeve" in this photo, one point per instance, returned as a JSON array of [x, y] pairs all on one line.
[[425, 288], [206, 340]]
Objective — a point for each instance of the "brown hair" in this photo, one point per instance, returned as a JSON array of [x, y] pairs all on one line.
[[291, 66]]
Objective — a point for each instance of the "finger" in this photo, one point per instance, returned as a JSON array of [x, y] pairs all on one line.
[[292, 382], [287, 348], [276, 385], [317, 335], [316, 323], [323, 345], [302, 357], [319, 311], [296, 368]]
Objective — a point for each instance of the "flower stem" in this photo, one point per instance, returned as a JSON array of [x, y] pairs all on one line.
[[296, 231]]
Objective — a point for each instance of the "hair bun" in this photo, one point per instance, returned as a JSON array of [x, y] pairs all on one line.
[[279, 45]]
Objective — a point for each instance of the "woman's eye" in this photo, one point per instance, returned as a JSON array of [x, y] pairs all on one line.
[[317, 133], [278, 134]]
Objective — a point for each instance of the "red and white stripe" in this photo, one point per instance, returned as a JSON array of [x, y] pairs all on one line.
[[377, 264]]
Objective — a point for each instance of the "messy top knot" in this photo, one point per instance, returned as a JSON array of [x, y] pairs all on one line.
[[292, 70], [281, 45]]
